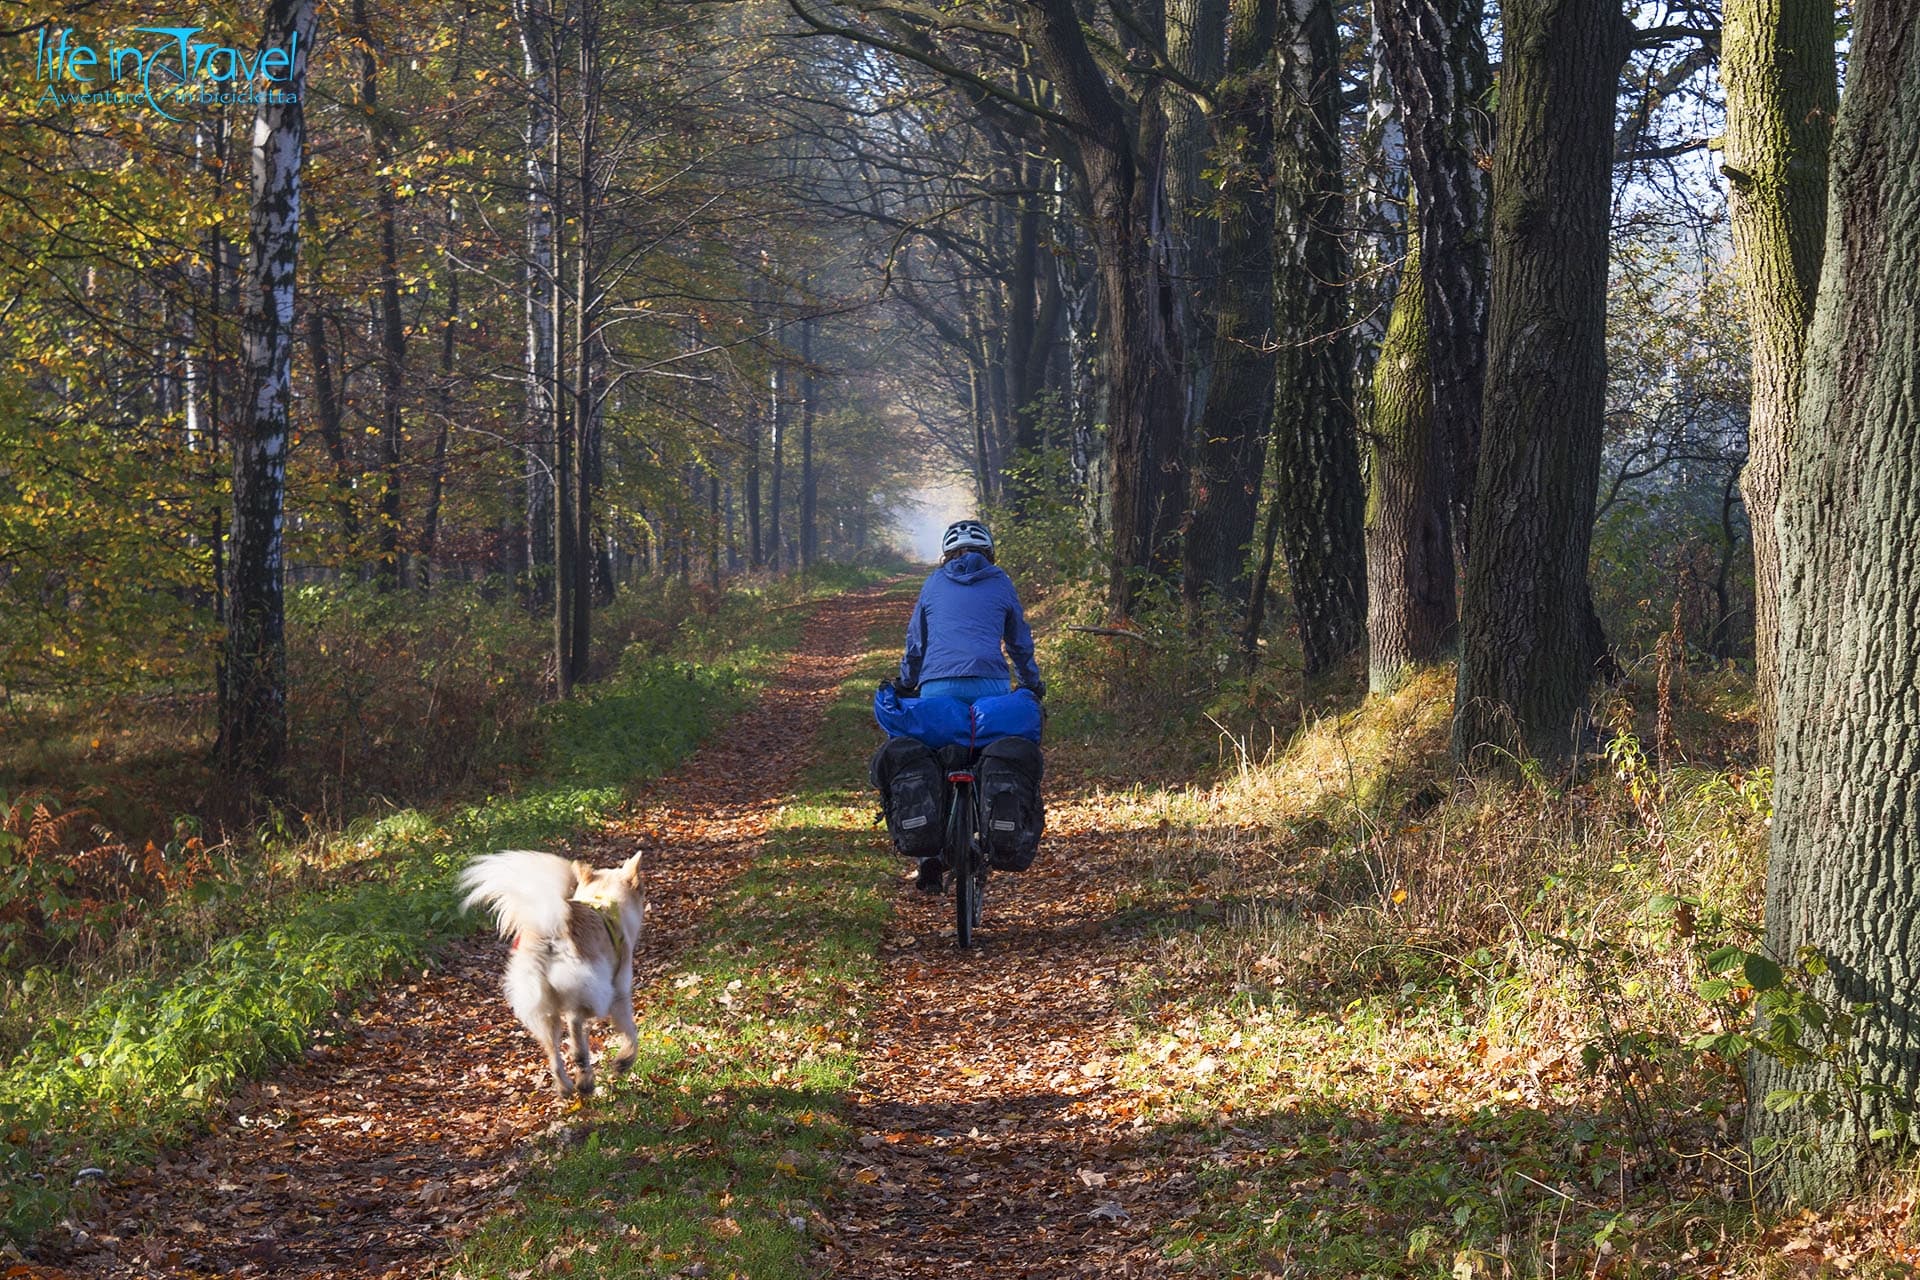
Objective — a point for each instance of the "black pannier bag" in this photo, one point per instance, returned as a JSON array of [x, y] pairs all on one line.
[[913, 792], [1011, 817]]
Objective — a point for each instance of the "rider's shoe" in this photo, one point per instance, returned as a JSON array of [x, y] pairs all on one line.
[[928, 881]]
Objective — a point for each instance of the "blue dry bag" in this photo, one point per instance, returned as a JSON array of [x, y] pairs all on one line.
[[938, 722]]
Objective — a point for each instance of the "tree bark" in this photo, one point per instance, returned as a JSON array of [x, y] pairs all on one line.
[[1146, 369], [562, 404], [1843, 878], [253, 689], [329, 418], [1777, 63], [1410, 604], [778, 413], [535, 20], [437, 476], [809, 481], [1229, 452], [1317, 461], [1197, 37], [1438, 63], [751, 495], [1526, 628], [392, 326], [586, 397]]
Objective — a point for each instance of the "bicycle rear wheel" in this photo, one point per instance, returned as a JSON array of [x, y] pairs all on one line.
[[966, 910]]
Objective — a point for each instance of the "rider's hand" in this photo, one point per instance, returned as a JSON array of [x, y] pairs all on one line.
[[907, 690]]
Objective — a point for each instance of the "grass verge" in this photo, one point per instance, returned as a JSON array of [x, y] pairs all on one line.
[[107, 1075], [713, 1155], [1398, 1023]]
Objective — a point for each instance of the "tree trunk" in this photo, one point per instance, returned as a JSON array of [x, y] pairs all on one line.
[[1229, 453], [1146, 369], [535, 19], [392, 326], [586, 399], [328, 417], [779, 415], [809, 481], [563, 406], [1438, 63], [1776, 60], [1197, 45], [1843, 878], [437, 477], [713, 531], [1526, 622], [1262, 578], [1322, 511], [253, 688], [1379, 221], [751, 498], [1410, 605]]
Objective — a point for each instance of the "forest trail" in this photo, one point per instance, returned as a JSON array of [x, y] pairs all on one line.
[[413, 1119], [992, 1138]]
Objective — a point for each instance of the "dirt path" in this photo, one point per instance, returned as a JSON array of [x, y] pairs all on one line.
[[413, 1120], [992, 1140]]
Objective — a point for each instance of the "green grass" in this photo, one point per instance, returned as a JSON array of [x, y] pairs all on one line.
[[119, 1068], [716, 1150]]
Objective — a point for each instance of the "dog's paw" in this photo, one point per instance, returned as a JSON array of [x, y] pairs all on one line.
[[624, 1063]]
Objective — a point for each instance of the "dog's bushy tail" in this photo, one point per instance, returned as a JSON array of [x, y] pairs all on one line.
[[529, 892]]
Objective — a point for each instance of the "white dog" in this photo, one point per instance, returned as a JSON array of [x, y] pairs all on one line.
[[573, 931]]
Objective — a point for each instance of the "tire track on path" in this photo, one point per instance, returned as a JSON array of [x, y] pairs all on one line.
[[991, 1138], [370, 1156]]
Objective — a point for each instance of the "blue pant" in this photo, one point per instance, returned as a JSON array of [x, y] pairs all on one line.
[[967, 689]]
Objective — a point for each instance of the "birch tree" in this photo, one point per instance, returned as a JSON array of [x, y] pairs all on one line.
[[253, 672]]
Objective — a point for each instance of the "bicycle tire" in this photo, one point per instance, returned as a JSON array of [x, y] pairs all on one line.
[[961, 864]]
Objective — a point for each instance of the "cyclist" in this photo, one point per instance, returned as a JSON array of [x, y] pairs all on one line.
[[967, 613]]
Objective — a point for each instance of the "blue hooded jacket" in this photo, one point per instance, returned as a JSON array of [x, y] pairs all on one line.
[[966, 611]]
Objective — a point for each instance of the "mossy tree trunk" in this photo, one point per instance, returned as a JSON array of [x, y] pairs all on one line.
[[1776, 60], [1844, 874], [1321, 503], [1526, 632], [1410, 603], [1438, 62]]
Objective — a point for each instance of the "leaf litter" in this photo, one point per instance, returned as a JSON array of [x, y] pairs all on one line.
[[410, 1121]]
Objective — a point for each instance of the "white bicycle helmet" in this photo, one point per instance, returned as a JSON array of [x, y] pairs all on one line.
[[965, 535]]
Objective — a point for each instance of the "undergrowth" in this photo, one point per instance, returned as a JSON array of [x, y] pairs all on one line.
[[1435, 1026], [121, 1047]]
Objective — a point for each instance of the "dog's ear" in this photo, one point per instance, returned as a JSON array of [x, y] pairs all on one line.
[[631, 871], [583, 872]]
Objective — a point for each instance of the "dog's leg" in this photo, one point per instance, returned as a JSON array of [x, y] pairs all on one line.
[[623, 1018], [549, 1037], [582, 1051]]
